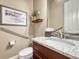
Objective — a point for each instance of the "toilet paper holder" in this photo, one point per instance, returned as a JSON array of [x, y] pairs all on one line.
[[11, 43]]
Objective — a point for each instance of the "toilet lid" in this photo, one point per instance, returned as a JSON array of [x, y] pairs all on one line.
[[26, 51]]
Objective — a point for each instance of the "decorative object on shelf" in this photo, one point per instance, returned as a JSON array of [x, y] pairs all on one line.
[[11, 16], [48, 31], [35, 17]]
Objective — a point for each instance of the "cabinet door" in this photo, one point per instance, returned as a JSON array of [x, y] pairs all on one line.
[[38, 55]]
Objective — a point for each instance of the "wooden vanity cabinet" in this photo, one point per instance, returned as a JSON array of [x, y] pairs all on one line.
[[38, 55], [41, 52]]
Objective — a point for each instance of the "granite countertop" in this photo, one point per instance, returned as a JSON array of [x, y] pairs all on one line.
[[67, 47]]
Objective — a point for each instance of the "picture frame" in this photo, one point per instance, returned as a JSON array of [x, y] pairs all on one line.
[[13, 17]]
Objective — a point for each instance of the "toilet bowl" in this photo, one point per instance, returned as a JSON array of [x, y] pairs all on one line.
[[26, 53]]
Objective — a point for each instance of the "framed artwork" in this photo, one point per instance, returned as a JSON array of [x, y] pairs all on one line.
[[11, 16]]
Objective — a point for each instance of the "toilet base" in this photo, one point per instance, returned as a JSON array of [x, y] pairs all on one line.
[[26, 57]]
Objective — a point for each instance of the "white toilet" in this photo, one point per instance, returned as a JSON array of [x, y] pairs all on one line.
[[26, 53]]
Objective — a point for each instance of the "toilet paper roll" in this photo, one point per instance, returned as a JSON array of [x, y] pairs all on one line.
[[11, 43]]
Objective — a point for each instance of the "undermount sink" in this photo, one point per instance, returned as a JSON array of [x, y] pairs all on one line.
[[59, 40]]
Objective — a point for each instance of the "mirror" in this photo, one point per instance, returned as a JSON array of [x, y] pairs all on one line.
[[64, 13]]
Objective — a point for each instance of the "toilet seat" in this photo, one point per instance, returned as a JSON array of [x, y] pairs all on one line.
[[26, 52]]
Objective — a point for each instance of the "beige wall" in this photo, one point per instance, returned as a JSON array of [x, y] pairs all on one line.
[[25, 5], [56, 13], [48, 11], [41, 5]]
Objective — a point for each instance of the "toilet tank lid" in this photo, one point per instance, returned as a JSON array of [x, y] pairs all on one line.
[[26, 51]]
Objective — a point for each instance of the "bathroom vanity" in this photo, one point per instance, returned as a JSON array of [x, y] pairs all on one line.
[[41, 52], [44, 50]]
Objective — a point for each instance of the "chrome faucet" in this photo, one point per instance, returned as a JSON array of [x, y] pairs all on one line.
[[58, 32], [61, 34]]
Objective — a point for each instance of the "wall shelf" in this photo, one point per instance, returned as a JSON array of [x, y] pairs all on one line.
[[37, 21]]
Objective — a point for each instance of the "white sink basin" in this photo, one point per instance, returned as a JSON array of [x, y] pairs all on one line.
[[58, 40]]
